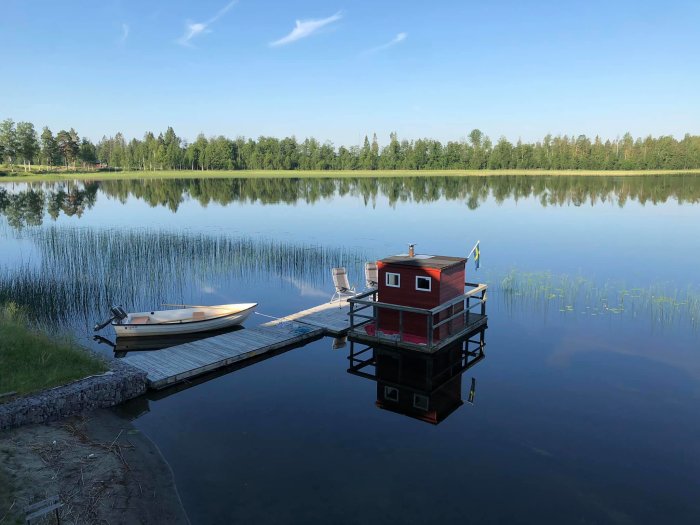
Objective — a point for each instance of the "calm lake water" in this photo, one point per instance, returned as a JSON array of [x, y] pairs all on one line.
[[584, 407]]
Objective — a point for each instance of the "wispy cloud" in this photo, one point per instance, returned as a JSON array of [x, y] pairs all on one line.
[[396, 40], [125, 33], [194, 29], [305, 28]]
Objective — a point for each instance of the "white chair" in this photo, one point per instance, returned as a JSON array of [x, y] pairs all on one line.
[[342, 285], [371, 275]]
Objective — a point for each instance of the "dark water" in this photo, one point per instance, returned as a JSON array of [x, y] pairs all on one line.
[[585, 404]]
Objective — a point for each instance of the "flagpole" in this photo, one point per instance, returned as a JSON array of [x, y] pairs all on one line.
[[473, 249]]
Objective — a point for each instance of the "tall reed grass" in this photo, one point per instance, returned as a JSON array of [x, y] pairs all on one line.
[[83, 270]]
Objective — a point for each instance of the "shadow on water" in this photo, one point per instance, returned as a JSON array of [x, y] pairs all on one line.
[[27, 205], [122, 346], [135, 408], [424, 386]]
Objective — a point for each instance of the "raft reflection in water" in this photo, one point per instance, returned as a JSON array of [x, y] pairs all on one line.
[[425, 386]]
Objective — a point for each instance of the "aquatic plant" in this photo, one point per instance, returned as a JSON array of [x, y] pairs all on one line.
[[663, 304], [84, 270]]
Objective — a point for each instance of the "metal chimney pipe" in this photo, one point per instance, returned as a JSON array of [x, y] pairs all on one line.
[[411, 250]]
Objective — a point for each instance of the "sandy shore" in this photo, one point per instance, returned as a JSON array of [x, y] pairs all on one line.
[[103, 469]]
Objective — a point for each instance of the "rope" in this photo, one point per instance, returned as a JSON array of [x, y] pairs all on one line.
[[270, 316], [285, 320]]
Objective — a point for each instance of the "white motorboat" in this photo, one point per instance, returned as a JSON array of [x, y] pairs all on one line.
[[192, 319]]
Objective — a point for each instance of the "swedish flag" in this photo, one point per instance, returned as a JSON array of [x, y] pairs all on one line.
[[477, 256]]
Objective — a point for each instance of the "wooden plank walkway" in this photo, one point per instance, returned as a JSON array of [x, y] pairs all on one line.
[[177, 363], [332, 317]]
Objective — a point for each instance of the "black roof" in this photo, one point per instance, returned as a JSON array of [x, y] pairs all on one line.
[[425, 261]]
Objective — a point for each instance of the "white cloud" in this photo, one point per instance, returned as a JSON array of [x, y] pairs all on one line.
[[396, 40], [125, 33], [194, 29], [305, 290], [304, 28]]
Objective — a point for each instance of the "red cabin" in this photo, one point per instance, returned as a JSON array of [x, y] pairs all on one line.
[[418, 281]]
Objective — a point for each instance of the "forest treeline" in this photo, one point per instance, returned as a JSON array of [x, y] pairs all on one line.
[[20, 143], [29, 206]]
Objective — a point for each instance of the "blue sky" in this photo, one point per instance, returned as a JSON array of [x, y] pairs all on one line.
[[423, 69]]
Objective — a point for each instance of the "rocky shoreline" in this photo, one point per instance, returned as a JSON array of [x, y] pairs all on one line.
[[121, 383]]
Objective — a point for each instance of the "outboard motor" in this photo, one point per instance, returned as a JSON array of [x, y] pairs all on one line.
[[117, 312]]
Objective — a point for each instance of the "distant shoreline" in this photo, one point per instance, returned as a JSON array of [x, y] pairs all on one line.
[[330, 174]]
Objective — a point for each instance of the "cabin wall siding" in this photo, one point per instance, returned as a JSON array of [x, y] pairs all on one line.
[[446, 284]]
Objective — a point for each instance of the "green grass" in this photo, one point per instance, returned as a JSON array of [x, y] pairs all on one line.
[[5, 174], [31, 360]]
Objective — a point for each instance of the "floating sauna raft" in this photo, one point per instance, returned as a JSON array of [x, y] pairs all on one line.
[[181, 362]]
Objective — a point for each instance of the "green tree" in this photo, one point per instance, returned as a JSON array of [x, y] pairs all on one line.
[[219, 153], [374, 153], [173, 149], [8, 142], [27, 143], [50, 154], [477, 159], [87, 153], [366, 155], [67, 142]]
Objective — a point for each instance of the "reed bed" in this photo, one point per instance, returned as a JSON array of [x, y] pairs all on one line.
[[82, 271], [660, 304]]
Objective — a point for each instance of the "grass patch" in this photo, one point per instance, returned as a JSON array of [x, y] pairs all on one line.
[[31, 360], [293, 174]]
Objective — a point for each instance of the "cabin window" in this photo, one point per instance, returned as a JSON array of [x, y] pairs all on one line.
[[420, 402], [393, 280], [391, 393], [424, 284]]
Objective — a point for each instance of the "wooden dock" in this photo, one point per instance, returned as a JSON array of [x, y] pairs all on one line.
[[171, 365], [181, 362], [332, 317]]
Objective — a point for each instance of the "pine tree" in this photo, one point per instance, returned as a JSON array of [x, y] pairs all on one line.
[[49, 148]]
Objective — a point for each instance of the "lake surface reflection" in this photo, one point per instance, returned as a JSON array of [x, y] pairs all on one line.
[[578, 403]]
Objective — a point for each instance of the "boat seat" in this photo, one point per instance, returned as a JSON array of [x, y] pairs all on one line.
[[143, 319], [198, 315]]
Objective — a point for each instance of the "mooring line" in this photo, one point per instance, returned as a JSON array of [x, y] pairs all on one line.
[[270, 316], [286, 320]]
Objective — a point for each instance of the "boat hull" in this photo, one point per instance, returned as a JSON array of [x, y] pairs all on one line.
[[184, 326]]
